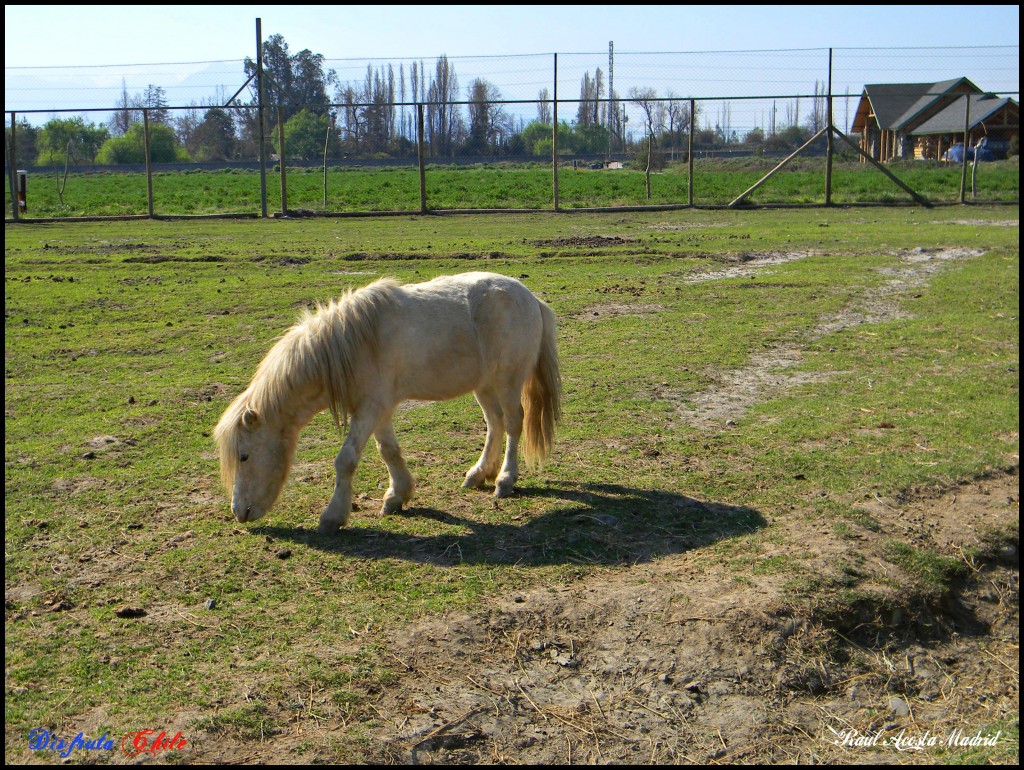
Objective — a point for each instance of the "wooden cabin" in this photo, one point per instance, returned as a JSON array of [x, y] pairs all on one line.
[[900, 121]]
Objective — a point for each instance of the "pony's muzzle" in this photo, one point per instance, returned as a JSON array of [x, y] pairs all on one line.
[[243, 512]]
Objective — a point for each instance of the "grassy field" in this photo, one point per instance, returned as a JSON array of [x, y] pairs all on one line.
[[857, 356], [715, 183]]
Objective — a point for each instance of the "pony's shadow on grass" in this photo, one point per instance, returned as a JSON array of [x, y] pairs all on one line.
[[607, 524]]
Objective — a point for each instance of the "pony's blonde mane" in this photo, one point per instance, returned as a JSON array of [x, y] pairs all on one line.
[[325, 346]]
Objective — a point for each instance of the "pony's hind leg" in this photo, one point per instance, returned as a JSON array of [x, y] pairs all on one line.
[[512, 410], [486, 468], [402, 483]]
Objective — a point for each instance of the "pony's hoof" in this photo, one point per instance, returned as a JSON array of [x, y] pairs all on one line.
[[329, 525], [475, 480], [392, 504], [503, 490]]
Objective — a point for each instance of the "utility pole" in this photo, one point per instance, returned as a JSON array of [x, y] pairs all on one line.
[[260, 117]]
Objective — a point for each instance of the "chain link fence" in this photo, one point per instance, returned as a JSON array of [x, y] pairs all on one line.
[[532, 132]]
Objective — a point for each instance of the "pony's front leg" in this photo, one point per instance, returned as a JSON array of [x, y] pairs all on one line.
[[402, 484], [337, 513]]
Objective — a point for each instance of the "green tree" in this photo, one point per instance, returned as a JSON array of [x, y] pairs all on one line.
[[790, 138], [754, 136], [572, 140], [293, 82], [26, 137], [277, 72], [536, 138], [705, 137], [214, 137], [310, 82], [130, 148], [305, 135], [591, 139], [69, 138]]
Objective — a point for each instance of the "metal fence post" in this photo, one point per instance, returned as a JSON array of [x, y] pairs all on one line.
[[828, 136], [420, 158], [554, 139], [689, 150], [259, 116], [149, 162], [12, 157], [280, 153]]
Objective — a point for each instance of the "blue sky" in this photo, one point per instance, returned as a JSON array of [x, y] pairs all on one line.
[[38, 35], [83, 52]]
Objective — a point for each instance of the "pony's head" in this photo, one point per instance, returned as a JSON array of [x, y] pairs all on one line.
[[309, 369], [255, 456]]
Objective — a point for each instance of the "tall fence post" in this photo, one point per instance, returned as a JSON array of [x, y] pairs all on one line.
[[149, 162], [260, 117], [689, 151], [554, 138], [327, 144], [828, 136], [421, 158], [281, 157], [12, 159]]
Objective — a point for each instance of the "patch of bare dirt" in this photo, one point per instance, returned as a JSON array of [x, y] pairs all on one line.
[[676, 226], [675, 661], [209, 392], [607, 310], [767, 374], [749, 264], [591, 241], [76, 485], [987, 222]]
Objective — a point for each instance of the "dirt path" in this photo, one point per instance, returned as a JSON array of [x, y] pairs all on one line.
[[770, 372]]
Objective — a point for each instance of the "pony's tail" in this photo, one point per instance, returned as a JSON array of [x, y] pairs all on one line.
[[542, 395]]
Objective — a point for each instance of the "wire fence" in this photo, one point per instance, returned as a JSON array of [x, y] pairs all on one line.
[[530, 132]]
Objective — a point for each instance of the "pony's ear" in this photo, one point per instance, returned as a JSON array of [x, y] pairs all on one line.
[[250, 419]]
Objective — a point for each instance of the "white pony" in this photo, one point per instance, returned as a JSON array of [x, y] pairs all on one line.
[[363, 354]]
